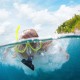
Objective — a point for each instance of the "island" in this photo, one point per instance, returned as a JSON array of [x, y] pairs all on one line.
[[70, 26]]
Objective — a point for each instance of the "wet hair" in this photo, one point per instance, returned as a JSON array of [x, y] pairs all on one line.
[[29, 33]]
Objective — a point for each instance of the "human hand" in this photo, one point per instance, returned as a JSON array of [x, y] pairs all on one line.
[[14, 56]]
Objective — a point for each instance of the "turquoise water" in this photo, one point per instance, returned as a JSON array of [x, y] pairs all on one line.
[[68, 70]]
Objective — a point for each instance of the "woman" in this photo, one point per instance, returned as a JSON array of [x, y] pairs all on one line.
[[28, 51]]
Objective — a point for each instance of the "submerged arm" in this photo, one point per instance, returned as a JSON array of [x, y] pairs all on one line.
[[6, 53], [14, 55], [46, 45]]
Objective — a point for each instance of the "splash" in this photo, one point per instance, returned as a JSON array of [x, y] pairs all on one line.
[[51, 60]]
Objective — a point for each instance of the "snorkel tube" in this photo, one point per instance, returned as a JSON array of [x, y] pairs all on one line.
[[17, 38], [27, 44], [17, 32]]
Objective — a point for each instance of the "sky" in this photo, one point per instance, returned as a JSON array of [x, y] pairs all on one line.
[[43, 15]]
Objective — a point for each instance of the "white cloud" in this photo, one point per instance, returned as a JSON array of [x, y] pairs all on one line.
[[37, 16], [37, 27], [45, 20], [42, 17], [23, 9], [45, 17], [2, 30], [67, 11], [4, 26], [4, 14]]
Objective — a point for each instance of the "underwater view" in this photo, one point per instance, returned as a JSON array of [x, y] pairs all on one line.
[[53, 65], [39, 40]]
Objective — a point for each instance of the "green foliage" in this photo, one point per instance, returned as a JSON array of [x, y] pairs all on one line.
[[70, 25]]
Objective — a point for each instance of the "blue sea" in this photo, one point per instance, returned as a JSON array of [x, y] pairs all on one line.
[[51, 66]]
